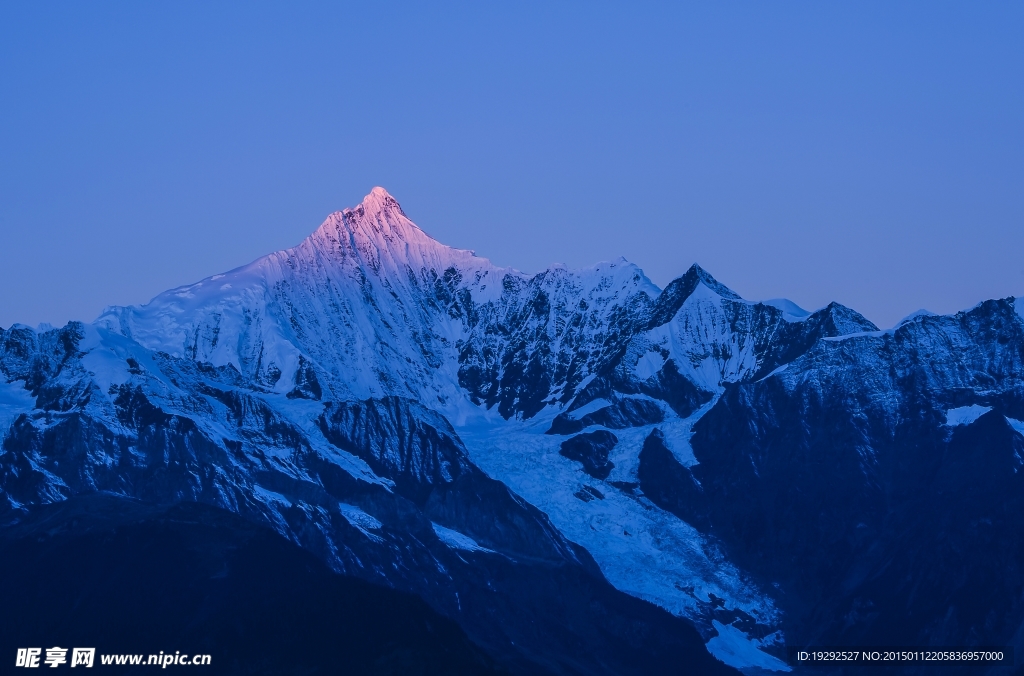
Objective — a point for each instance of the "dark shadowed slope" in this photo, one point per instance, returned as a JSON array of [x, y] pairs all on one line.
[[112, 573]]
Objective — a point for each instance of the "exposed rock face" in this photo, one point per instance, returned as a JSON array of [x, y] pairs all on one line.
[[591, 449], [626, 412], [669, 484], [400, 440]]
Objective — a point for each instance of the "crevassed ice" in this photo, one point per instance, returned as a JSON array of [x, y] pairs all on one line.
[[641, 549]]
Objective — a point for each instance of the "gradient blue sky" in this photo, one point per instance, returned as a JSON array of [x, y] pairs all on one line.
[[870, 153]]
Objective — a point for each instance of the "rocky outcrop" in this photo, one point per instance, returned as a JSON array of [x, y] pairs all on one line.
[[591, 450]]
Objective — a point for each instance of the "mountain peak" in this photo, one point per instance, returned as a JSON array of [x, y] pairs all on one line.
[[378, 202], [378, 219], [843, 321], [679, 289], [378, 234], [698, 274]]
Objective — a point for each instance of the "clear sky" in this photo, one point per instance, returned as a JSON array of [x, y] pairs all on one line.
[[870, 153]]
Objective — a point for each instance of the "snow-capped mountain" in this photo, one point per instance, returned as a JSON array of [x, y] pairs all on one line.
[[370, 306], [506, 445]]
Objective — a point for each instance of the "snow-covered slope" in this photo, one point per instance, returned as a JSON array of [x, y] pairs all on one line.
[[369, 305], [357, 302]]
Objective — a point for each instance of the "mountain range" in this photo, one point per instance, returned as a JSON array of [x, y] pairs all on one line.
[[571, 472]]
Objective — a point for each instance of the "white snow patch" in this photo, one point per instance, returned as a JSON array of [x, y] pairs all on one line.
[[859, 334], [106, 355], [588, 408], [791, 312], [965, 415], [734, 648], [1018, 426], [361, 521], [679, 431], [457, 540], [275, 502], [14, 400], [359, 518], [268, 497], [776, 372], [649, 364], [102, 361], [914, 315]]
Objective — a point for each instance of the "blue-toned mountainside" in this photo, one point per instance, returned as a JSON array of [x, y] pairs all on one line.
[[586, 473]]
